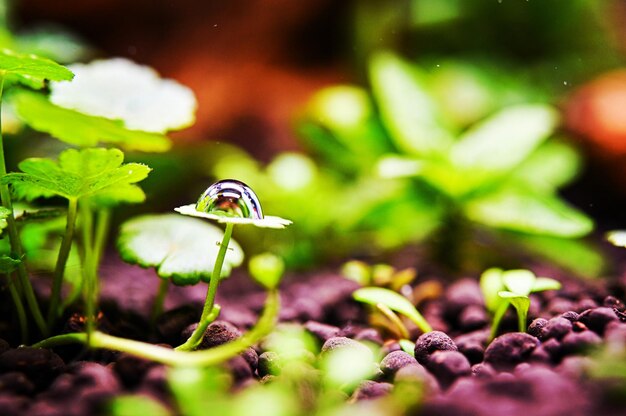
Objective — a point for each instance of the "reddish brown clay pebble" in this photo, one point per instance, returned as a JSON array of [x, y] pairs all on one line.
[[395, 361], [447, 366], [577, 342], [430, 342], [556, 328], [508, 350], [371, 390], [321, 331], [536, 327], [596, 319]]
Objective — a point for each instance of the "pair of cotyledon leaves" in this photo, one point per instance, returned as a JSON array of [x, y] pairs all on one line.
[[112, 101]]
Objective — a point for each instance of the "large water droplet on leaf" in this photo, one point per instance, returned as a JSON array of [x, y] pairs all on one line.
[[231, 198]]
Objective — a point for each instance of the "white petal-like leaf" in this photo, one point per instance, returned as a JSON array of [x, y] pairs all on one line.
[[519, 281], [121, 89], [180, 248]]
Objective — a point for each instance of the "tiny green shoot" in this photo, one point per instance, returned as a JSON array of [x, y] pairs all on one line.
[[512, 287], [394, 301], [267, 269]]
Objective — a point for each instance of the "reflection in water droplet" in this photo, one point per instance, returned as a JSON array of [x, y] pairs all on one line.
[[231, 198]]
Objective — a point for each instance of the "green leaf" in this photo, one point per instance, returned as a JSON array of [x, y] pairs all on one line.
[[82, 129], [521, 305], [394, 301], [519, 281], [490, 284], [504, 140], [406, 107], [31, 70], [8, 264], [551, 166], [545, 283], [136, 405], [267, 269], [78, 174], [4, 214], [577, 256], [407, 346], [516, 210], [180, 248]]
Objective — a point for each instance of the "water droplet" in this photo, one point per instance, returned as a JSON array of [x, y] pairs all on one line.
[[564, 82], [231, 198]]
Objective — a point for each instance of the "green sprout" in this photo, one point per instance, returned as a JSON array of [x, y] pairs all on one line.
[[387, 302], [382, 275], [512, 287], [230, 202]]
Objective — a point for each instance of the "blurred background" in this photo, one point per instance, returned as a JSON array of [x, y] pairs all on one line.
[[355, 118]]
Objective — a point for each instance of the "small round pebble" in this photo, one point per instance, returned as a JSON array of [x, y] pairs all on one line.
[[570, 316], [447, 366], [321, 331], [596, 319], [38, 364], [577, 342], [614, 303], [417, 373], [430, 342], [219, 333], [371, 390], [556, 328], [473, 317], [536, 327], [395, 361], [508, 350]]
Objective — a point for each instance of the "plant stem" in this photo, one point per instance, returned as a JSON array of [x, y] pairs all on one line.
[[171, 357], [19, 309], [59, 270], [87, 270], [384, 309], [159, 300], [102, 234], [521, 320], [16, 246], [209, 302], [497, 317]]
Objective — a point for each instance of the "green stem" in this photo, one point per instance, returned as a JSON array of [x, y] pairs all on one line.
[[19, 309], [521, 320], [384, 309], [497, 317], [171, 357], [102, 234], [209, 302], [159, 300], [59, 270], [89, 289], [16, 246]]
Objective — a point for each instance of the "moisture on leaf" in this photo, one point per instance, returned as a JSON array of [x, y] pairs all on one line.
[[81, 129], [180, 248], [97, 173], [31, 70]]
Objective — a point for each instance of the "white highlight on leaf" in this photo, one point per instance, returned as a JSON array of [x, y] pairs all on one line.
[[121, 89]]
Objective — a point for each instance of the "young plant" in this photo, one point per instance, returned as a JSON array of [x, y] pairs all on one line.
[[182, 250], [381, 275], [496, 172], [388, 301], [30, 71], [512, 287], [86, 178], [229, 202], [226, 201]]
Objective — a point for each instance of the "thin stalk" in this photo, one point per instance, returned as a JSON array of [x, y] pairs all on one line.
[[102, 234], [178, 358], [19, 309], [59, 270], [209, 302], [16, 246], [521, 320], [497, 317], [159, 300], [384, 309], [87, 270]]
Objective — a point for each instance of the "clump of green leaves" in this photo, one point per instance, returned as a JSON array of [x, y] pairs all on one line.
[[381, 275], [496, 173], [512, 287]]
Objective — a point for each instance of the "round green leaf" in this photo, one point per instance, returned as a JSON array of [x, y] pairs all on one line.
[[182, 249], [519, 281]]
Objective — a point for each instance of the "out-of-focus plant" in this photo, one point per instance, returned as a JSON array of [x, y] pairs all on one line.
[[381, 275], [490, 169]]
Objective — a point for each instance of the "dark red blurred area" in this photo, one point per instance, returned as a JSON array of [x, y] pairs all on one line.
[[251, 63]]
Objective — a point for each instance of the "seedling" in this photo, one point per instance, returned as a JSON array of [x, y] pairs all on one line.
[[386, 301], [512, 287], [182, 250], [230, 202], [382, 275], [30, 71]]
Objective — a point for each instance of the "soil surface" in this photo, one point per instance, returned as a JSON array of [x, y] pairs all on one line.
[[542, 372]]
